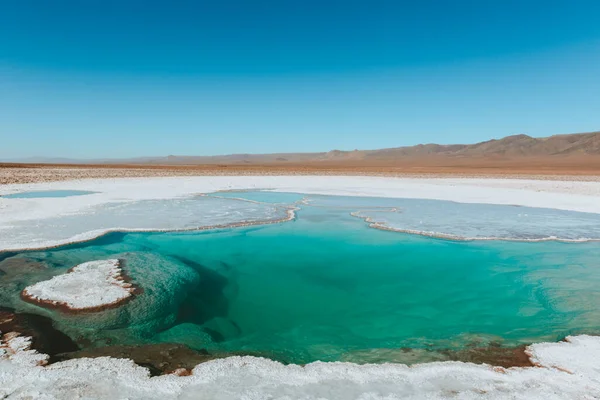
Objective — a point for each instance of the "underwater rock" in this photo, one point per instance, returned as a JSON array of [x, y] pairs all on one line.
[[163, 285], [14, 266], [404, 355], [91, 286], [493, 355], [189, 334], [160, 358], [221, 329]]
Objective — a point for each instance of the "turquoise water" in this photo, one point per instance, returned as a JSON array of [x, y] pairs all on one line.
[[47, 194], [326, 287]]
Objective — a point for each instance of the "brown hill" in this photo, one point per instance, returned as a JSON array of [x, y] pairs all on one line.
[[517, 146], [510, 146], [558, 148]]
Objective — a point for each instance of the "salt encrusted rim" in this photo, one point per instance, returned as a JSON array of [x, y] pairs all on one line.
[[120, 276]]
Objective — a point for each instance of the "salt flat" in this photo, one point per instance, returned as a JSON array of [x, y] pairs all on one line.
[[562, 195]]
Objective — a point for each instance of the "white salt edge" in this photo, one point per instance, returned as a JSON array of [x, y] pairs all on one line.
[[89, 285], [568, 370]]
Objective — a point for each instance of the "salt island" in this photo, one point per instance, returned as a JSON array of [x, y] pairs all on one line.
[[91, 286]]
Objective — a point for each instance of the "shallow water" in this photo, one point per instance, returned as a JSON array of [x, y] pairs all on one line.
[[328, 287], [47, 194]]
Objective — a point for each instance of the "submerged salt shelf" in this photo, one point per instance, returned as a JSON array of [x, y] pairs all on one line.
[[451, 220], [19, 216], [438, 218], [91, 286], [484, 221], [148, 215]]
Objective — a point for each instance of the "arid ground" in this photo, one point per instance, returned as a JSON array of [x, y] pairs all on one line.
[[564, 157], [556, 167]]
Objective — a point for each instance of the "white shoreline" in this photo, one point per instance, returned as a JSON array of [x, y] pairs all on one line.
[[95, 234], [565, 370]]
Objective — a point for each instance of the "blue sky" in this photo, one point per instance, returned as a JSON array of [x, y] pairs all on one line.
[[101, 78]]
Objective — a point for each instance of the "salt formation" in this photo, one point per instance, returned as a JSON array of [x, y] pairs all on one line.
[[566, 370], [91, 286], [460, 221], [192, 213], [162, 282], [132, 204], [16, 349]]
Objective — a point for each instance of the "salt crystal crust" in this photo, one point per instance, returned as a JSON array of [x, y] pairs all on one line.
[[91, 286], [563, 195], [567, 370]]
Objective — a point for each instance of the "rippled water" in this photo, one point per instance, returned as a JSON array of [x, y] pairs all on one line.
[[328, 287]]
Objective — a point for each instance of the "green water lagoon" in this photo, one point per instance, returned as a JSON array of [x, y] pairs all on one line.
[[327, 287]]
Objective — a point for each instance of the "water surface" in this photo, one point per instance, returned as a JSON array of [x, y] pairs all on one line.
[[328, 287], [47, 194]]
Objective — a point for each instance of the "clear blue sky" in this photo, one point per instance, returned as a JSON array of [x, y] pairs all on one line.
[[101, 78]]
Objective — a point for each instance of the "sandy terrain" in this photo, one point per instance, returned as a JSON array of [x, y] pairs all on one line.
[[32, 173]]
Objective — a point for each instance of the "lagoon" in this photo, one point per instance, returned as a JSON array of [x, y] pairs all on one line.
[[328, 287]]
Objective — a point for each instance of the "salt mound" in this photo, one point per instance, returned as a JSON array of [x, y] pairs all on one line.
[[162, 284], [576, 355], [91, 286]]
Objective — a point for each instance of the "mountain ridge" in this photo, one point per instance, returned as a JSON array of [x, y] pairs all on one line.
[[514, 146]]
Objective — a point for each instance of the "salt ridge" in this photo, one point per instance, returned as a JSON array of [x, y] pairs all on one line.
[[95, 234], [372, 223]]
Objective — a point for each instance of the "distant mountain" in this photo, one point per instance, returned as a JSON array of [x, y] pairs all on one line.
[[510, 147]]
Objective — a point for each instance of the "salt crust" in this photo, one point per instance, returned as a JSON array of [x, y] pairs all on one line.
[[564, 195], [567, 370], [91, 286]]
